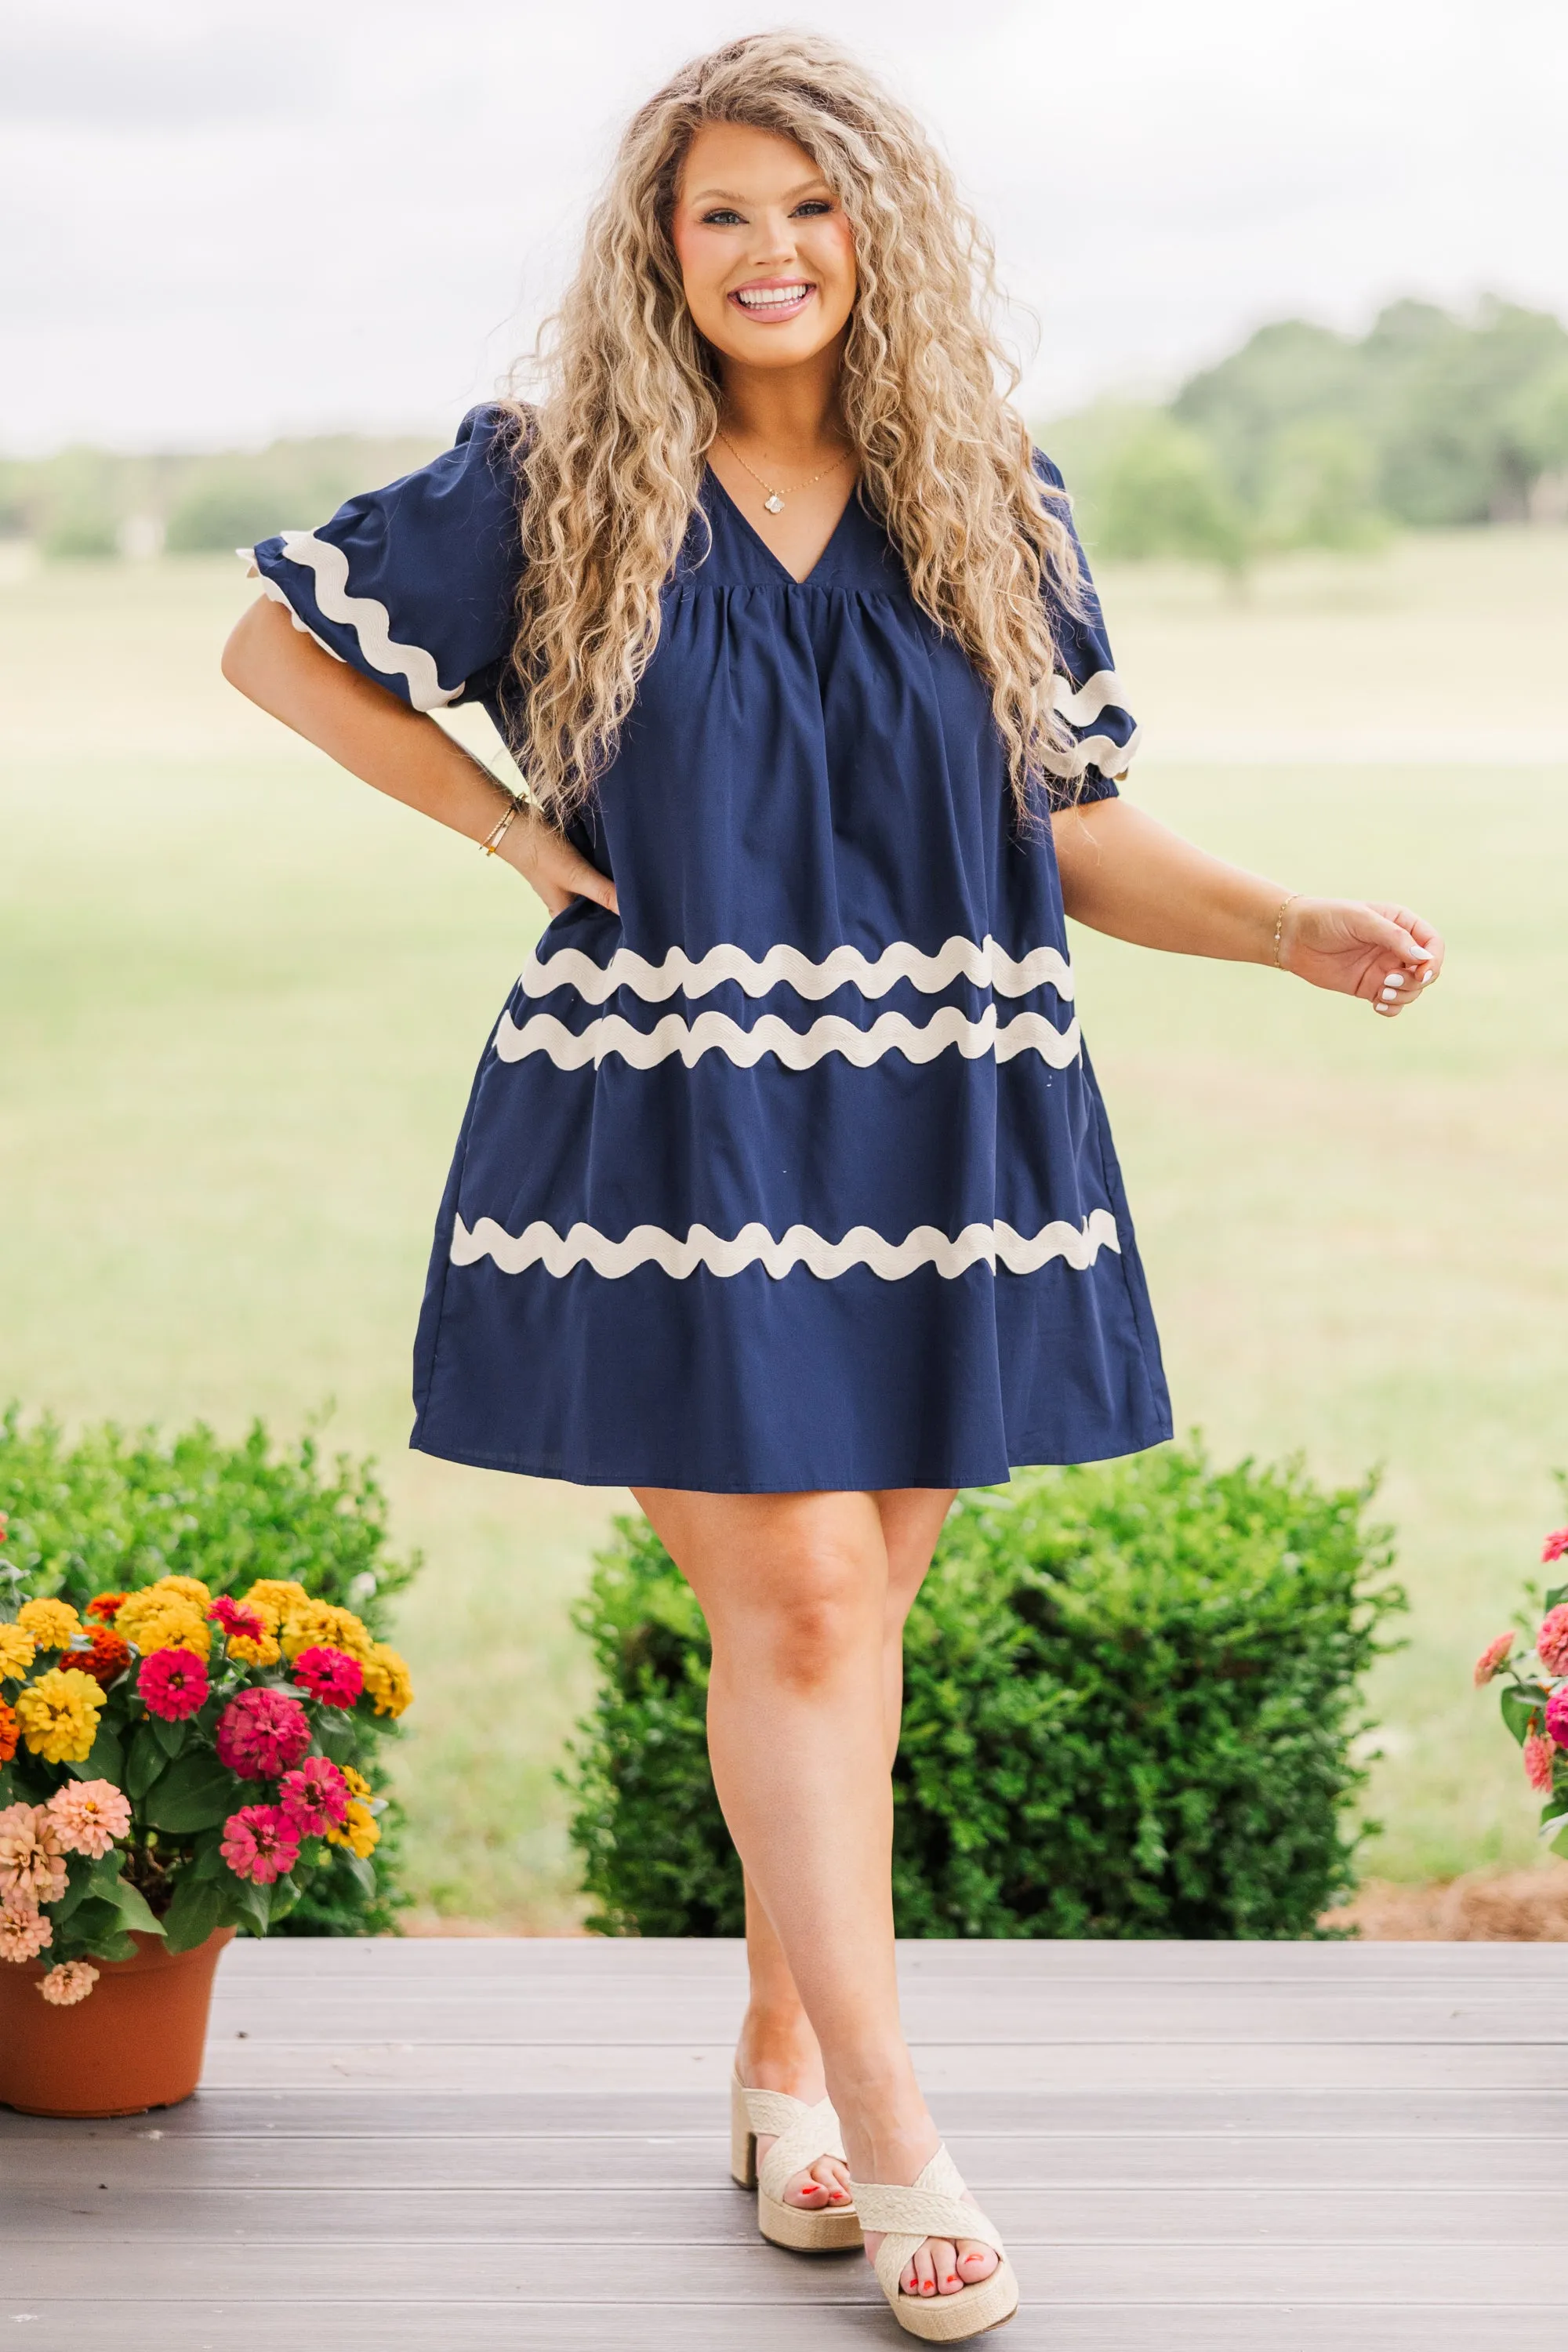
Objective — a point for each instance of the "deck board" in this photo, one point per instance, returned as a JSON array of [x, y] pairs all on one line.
[[521, 2143]]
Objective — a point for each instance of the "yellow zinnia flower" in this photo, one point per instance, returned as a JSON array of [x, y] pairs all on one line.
[[358, 1785], [188, 1588], [53, 1625], [388, 1680], [255, 1650], [158, 1620], [273, 1601], [318, 1623], [361, 1833], [58, 1715], [17, 1651]]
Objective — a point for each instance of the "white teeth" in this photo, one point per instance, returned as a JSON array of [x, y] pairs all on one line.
[[769, 298]]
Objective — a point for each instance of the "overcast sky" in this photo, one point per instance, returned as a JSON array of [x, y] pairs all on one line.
[[225, 224]]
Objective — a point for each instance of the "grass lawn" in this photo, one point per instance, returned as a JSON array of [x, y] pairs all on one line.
[[244, 996]]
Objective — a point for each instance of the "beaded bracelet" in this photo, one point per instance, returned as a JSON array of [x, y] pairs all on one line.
[[497, 834], [1280, 923]]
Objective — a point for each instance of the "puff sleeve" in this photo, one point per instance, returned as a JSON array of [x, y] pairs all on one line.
[[1088, 691], [413, 585]]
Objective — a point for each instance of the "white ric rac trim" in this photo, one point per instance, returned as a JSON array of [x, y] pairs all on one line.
[[797, 1049], [1093, 751], [986, 964], [1082, 703], [370, 621], [558, 1254]]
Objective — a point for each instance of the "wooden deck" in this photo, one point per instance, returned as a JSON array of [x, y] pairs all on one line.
[[480, 2144]]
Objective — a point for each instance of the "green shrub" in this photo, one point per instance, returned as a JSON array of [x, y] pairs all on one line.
[[113, 1510], [1130, 1704]]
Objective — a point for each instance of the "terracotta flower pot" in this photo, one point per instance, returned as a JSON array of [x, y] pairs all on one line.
[[134, 2043]]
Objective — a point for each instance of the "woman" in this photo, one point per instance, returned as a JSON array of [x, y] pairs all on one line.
[[786, 1195]]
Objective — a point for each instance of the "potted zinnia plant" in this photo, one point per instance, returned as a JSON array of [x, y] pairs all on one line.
[[172, 1769], [1535, 1699]]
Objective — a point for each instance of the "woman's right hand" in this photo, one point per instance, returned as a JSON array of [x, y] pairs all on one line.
[[550, 866]]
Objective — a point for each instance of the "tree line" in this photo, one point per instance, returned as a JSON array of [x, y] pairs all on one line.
[[1306, 437]]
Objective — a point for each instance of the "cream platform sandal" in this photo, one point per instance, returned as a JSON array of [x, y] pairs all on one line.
[[804, 2133], [935, 2207]]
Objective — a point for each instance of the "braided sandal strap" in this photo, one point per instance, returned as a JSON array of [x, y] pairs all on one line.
[[803, 2133], [935, 2207]]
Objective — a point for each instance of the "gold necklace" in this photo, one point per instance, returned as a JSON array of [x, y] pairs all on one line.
[[774, 502]]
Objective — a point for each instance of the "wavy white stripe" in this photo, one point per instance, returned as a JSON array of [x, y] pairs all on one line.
[[681, 1255], [985, 963], [796, 1049], [1082, 703], [368, 618], [1102, 751]]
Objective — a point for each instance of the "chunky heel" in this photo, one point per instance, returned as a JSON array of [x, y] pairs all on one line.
[[742, 2138], [803, 2133]]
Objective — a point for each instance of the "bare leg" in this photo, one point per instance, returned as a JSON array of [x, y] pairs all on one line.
[[778, 2050], [796, 1590]]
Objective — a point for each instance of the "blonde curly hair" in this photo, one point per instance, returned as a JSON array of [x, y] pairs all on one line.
[[612, 454]]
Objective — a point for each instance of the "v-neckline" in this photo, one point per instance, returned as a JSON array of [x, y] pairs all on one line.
[[777, 561]]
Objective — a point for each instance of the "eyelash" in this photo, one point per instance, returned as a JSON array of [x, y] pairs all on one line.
[[723, 215]]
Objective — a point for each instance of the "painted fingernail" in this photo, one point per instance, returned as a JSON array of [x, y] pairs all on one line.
[[1426, 976]]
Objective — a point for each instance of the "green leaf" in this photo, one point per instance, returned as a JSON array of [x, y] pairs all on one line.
[[144, 1762], [195, 1793], [97, 1927], [193, 1913], [252, 1906], [360, 1871], [1558, 1592], [134, 1912], [335, 1733], [82, 1874], [207, 1861], [105, 1760], [170, 1737], [1519, 1710]]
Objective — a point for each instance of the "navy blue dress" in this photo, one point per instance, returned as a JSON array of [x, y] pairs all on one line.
[[794, 1174]]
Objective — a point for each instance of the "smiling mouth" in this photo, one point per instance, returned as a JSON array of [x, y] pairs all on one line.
[[774, 303]]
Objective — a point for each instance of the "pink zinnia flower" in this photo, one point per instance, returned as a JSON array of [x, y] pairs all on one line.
[[262, 1732], [330, 1675], [67, 1982], [1493, 1658], [1552, 1640], [1554, 1546], [236, 1618], [32, 1860], [24, 1930], [259, 1843], [315, 1797], [89, 1815], [1539, 1752], [1557, 1716], [172, 1683]]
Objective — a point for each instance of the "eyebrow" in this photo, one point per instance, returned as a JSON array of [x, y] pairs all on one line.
[[707, 195]]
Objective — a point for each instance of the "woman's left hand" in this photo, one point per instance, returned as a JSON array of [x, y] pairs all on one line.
[[1383, 953]]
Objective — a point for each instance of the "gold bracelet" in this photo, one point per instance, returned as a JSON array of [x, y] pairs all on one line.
[[497, 834], [1280, 923]]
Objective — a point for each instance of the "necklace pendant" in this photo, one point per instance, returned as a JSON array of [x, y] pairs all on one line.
[[773, 503]]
